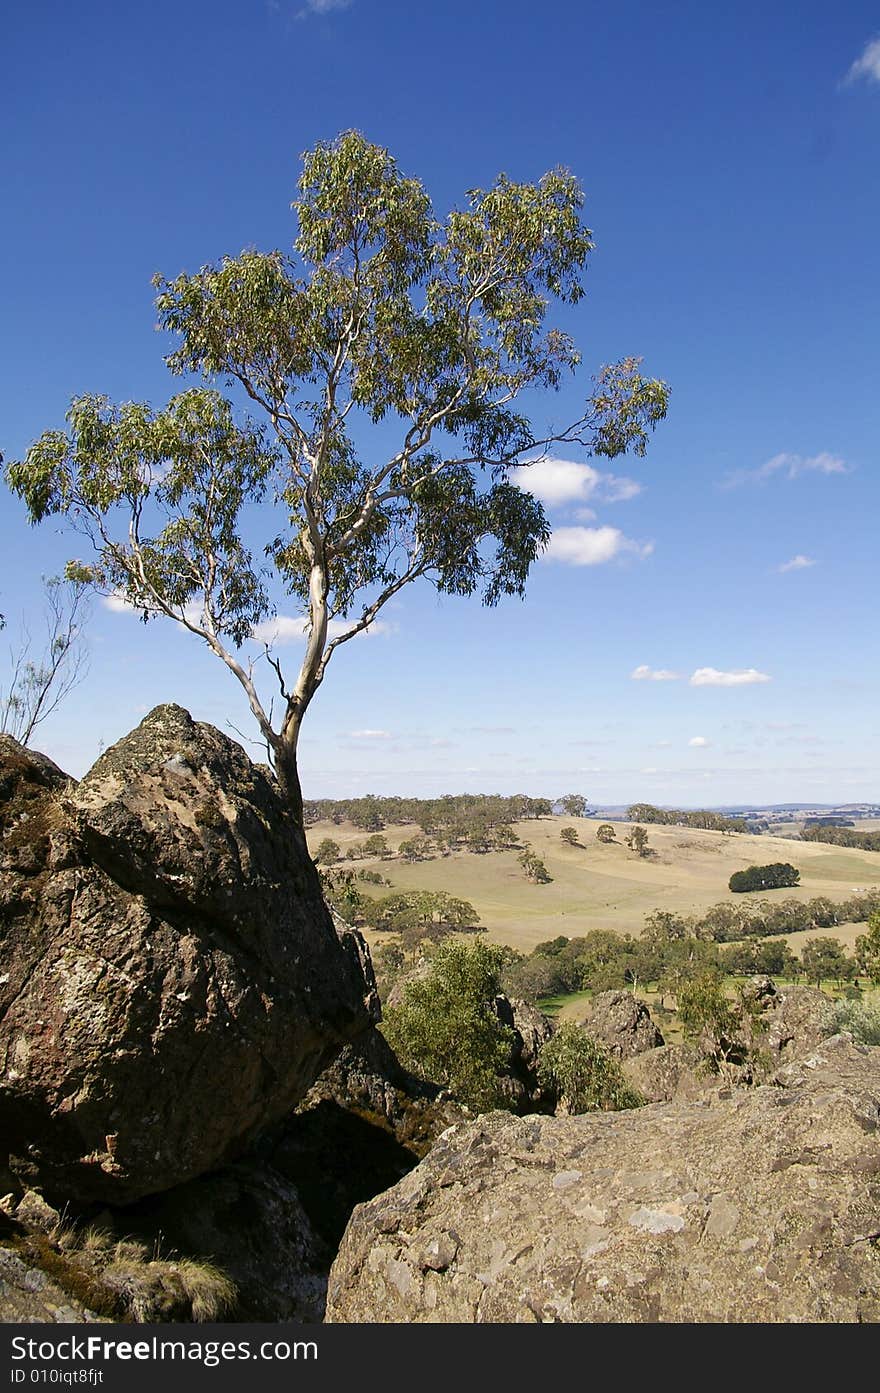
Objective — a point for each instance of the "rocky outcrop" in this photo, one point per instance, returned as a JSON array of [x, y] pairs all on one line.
[[618, 1020], [672, 1071], [761, 1207], [795, 1019], [172, 982], [531, 1031]]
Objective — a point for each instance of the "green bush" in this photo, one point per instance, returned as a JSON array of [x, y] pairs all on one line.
[[583, 1074], [445, 1030], [862, 1022]]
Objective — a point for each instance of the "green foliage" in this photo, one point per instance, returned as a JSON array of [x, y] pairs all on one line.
[[385, 317], [328, 852], [841, 836], [826, 958], [573, 804], [862, 1022], [675, 817], [867, 949], [445, 1029], [570, 836], [583, 1074], [777, 876], [605, 833]]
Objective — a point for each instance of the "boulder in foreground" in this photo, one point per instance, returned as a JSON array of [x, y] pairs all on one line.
[[172, 981], [763, 1206]]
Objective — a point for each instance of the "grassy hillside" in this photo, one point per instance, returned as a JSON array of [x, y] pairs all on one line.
[[607, 886]]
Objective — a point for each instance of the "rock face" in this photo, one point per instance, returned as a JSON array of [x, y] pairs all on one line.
[[618, 1020], [172, 981], [764, 1206], [531, 1031], [248, 1219]]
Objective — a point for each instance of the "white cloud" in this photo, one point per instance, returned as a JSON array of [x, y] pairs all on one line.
[[322, 7], [788, 466], [698, 742], [649, 674], [797, 563], [118, 604], [370, 734], [739, 677], [560, 481], [591, 546], [867, 64], [291, 628]]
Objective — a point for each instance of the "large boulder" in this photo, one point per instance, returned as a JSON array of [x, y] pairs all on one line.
[[622, 1023], [759, 1207], [172, 980]]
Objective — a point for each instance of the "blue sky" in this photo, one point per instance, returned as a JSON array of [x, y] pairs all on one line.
[[729, 159]]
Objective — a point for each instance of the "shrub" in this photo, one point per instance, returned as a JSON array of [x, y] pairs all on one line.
[[862, 1022], [583, 1074], [445, 1029]]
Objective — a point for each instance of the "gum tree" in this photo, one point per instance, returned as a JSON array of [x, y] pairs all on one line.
[[385, 363]]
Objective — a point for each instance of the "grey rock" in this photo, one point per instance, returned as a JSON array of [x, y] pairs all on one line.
[[618, 1020], [174, 981], [762, 1206]]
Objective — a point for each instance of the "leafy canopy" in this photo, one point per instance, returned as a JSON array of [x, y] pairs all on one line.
[[445, 1029], [383, 316]]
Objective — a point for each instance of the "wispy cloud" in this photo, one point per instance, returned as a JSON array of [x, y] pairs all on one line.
[[560, 481], [698, 742], [650, 674], [797, 563], [739, 677], [867, 65], [787, 466], [292, 628], [592, 546], [322, 7], [369, 734]]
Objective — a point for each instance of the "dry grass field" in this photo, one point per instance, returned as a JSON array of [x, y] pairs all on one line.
[[608, 887]]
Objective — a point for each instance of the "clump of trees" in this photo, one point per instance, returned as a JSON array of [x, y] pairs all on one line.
[[637, 841], [534, 867], [867, 949], [837, 835], [675, 817], [583, 1074], [435, 817], [778, 875], [569, 835], [605, 833], [445, 1029], [825, 959]]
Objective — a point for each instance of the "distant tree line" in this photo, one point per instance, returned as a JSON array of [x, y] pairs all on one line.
[[433, 815], [841, 836], [779, 875], [702, 818]]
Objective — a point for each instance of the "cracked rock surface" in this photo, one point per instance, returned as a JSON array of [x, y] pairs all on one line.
[[762, 1206], [170, 979]]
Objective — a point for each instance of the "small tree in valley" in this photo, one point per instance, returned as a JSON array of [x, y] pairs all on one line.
[[637, 841]]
